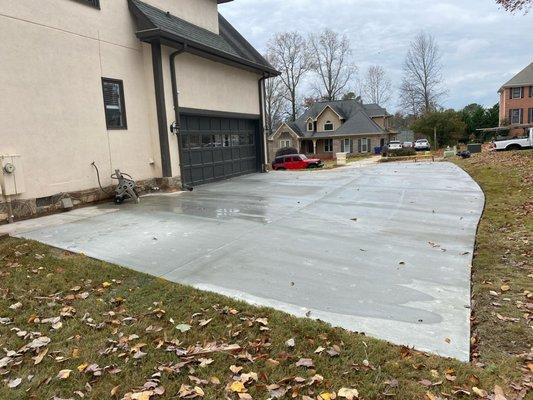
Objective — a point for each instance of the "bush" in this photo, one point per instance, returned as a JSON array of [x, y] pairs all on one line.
[[405, 151], [286, 151]]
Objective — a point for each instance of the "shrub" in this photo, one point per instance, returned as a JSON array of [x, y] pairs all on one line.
[[405, 151], [286, 151]]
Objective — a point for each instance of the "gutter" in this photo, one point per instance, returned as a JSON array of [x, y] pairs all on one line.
[[149, 35]]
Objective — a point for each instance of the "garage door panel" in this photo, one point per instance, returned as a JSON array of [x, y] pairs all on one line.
[[215, 148]]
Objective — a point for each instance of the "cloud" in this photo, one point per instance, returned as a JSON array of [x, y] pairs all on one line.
[[482, 46]]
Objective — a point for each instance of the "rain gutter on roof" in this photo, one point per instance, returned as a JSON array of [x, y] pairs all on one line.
[[172, 40]]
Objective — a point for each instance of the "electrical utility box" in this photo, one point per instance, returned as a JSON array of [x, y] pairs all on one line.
[[11, 175]]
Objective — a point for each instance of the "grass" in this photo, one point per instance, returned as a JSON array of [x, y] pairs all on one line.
[[502, 280], [118, 330]]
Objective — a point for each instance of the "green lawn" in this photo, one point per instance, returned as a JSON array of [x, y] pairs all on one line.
[[71, 326]]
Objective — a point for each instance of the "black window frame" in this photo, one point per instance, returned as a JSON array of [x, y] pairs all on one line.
[[530, 118], [531, 91], [328, 144], [120, 82], [90, 3], [520, 116], [328, 123], [520, 95]]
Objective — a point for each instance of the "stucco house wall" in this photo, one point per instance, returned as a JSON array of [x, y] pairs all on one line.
[[51, 108]]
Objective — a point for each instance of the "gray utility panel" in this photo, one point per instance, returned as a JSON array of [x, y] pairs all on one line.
[[214, 148]]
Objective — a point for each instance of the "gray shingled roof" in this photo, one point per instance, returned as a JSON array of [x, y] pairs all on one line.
[[357, 119], [228, 43], [523, 78]]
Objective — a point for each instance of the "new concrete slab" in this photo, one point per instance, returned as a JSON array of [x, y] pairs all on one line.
[[383, 249]]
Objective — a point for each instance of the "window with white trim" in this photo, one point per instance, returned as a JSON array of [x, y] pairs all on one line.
[[328, 126], [328, 145], [284, 143], [364, 145], [516, 93], [310, 126], [515, 116]]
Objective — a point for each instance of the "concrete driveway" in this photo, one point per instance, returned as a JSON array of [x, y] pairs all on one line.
[[383, 249]]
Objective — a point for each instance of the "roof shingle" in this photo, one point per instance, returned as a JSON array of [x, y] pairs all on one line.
[[229, 43]]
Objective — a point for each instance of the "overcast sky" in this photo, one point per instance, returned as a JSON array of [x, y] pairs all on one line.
[[482, 45]]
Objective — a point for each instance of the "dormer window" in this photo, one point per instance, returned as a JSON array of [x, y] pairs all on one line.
[[328, 126], [310, 126]]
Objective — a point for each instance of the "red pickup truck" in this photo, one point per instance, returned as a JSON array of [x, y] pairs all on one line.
[[296, 161]]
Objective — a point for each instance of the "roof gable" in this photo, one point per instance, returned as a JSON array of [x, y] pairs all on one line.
[[357, 118], [523, 78], [155, 24]]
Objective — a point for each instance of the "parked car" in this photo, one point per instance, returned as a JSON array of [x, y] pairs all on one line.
[[517, 143], [394, 145], [296, 161], [407, 144], [422, 145]]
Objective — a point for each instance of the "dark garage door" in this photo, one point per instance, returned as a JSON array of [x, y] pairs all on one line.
[[214, 148]]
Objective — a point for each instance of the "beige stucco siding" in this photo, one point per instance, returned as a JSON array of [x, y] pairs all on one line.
[[207, 84], [328, 115], [203, 13], [52, 110]]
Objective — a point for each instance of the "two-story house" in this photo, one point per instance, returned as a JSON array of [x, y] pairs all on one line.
[[165, 90], [516, 101], [330, 127]]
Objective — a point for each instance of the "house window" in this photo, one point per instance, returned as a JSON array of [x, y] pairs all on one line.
[[328, 145], [516, 93], [530, 120], [285, 143], [115, 108], [531, 91], [515, 116], [346, 146], [328, 126], [309, 126], [364, 145], [92, 3]]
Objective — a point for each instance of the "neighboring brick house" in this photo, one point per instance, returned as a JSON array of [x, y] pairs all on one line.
[[516, 101], [330, 127]]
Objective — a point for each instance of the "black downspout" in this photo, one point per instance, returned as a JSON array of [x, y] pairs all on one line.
[[159, 85], [264, 148], [175, 100]]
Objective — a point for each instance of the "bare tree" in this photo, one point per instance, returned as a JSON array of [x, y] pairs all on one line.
[[515, 5], [422, 73], [289, 54], [331, 54], [275, 101], [409, 100], [377, 86]]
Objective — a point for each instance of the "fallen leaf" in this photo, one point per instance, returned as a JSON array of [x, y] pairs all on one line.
[[480, 392], [64, 374], [305, 362], [237, 387], [13, 383], [290, 343], [183, 328], [39, 358], [347, 393], [498, 393]]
